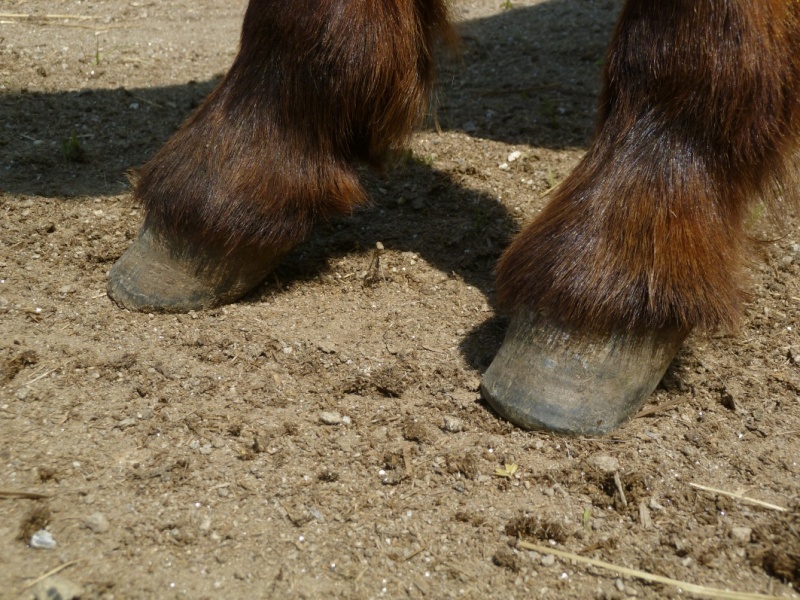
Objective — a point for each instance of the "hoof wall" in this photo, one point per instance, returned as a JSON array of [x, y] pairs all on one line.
[[546, 376], [159, 274]]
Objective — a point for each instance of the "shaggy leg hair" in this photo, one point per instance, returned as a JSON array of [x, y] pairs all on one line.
[[317, 86], [699, 114]]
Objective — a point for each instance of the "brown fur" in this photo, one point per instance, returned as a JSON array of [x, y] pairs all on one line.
[[699, 116], [317, 86]]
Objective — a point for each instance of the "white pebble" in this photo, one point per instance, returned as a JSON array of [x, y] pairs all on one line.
[[452, 424], [97, 522], [741, 534], [330, 418], [43, 540], [604, 463]]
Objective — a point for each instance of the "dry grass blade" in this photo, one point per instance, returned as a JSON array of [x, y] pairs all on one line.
[[699, 590], [649, 412], [520, 90], [27, 16], [739, 497], [51, 572], [24, 495], [42, 376]]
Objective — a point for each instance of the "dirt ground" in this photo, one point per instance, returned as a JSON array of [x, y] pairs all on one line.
[[325, 437]]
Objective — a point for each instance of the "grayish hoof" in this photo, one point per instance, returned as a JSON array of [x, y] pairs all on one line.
[[546, 376], [160, 274]]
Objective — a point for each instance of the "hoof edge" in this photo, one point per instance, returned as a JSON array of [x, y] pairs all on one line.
[[546, 376]]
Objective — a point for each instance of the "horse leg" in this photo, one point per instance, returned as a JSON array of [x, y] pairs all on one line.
[[699, 116], [315, 88]]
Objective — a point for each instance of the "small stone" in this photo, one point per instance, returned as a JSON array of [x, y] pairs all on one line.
[[452, 424], [42, 540], [604, 463], [57, 587], [741, 534], [548, 560], [22, 393], [97, 522], [514, 155], [629, 591], [793, 354], [644, 516], [327, 346], [330, 418], [206, 449]]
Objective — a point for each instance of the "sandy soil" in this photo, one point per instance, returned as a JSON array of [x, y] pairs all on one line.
[[325, 436]]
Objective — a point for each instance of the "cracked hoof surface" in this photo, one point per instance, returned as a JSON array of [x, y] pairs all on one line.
[[547, 376], [162, 274]]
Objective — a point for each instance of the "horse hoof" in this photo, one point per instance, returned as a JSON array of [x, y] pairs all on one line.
[[547, 376], [159, 273]]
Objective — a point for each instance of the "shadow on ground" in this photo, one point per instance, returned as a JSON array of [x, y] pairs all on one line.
[[527, 76]]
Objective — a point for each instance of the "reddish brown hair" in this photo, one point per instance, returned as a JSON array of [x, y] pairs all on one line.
[[317, 86], [699, 116]]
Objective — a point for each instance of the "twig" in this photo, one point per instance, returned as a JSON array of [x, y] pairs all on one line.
[[146, 101], [415, 553], [25, 495], [58, 569], [548, 190], [521, 90], [700, 590], [29, 16], [42, 376], [407, 460], [375, 271], [434, 350], [741, 497], [654, 410], [620, 490], [97, 30]]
